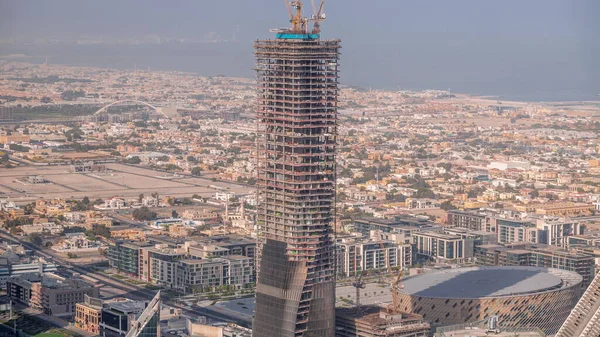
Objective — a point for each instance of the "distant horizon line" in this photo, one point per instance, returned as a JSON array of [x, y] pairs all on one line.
[[27, 59]]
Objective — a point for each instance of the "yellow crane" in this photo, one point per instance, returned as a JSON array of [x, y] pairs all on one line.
[[299, 22]]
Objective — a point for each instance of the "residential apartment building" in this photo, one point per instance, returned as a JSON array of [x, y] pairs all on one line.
[[443, 247], [535, 255], [125, 257], [189, 268], [395, 225], [476, 221], [355, 255], [158, 264], [222, 246], [514, 231], [554, 230], [50, 293], [513, 228], [196, 275]]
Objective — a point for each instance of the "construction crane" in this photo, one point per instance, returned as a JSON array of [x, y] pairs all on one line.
[[395, 282], [396, 286], [299, 22], [358, 284], [318, 16]]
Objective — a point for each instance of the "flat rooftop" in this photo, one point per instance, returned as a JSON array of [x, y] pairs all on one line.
[[370, 314], [478, 282], [478, 332], [127, 306]]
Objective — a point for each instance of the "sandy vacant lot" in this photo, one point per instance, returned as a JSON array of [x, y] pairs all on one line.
[[122, 180]]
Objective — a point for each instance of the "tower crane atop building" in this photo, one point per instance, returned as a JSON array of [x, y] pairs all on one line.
[[300, 24]]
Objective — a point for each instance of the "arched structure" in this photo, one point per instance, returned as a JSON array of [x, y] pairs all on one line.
[[104, 108]]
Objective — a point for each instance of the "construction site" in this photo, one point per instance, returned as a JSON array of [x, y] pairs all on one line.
[[297, 92]]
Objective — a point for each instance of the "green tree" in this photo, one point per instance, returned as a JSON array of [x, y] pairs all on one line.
[[99, 230], [18, 148], [36, 239], [172, 167], [447, 205], [144, 214]]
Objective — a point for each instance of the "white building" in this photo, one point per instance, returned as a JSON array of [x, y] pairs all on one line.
[[115, 203], [355, 255], [422, 203], [47, 227], [553, 230], [505, 165], [150, 201], [504, 182], [224, 196], [76, 242], [7, 205]]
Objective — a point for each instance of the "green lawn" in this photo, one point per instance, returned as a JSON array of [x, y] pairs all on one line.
[[55, 333]]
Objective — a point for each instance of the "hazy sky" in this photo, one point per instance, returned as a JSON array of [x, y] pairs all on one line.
[[504, 45]]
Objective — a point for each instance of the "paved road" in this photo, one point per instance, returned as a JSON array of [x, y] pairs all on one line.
[[133, 292]]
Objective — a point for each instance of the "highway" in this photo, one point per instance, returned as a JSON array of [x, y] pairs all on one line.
[[133, 292]]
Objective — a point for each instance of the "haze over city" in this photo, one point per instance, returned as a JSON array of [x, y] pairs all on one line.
[[527, 50], [299, 168]]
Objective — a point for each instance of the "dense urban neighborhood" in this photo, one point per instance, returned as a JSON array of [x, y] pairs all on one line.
[[117, 183]]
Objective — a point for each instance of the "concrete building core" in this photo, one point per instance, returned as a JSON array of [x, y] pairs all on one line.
[[297, 127]]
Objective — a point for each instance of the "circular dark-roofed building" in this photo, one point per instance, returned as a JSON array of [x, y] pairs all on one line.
[[519, 296]]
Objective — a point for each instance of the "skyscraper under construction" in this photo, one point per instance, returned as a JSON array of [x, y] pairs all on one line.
[[297, 76]]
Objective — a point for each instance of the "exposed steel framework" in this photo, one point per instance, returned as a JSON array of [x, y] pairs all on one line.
[[297, 127]]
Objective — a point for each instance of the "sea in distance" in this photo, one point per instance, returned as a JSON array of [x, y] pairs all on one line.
[[494, 74]]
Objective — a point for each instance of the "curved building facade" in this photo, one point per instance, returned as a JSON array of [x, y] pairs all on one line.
[[519, 296], [297, 78]]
